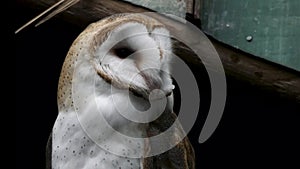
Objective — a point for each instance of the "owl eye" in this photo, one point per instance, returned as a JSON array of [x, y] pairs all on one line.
[[123, 52]]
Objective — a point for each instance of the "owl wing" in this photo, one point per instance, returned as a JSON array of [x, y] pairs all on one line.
[[181, 156]]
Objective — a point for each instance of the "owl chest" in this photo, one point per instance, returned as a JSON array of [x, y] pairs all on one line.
[[72, 148]]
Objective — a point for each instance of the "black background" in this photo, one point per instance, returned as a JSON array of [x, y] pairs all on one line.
[[258, 128]]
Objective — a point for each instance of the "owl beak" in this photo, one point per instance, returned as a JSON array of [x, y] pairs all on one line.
[[152, 79]]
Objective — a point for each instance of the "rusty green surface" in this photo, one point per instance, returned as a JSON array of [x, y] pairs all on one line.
[[175, 7], [269, 29]]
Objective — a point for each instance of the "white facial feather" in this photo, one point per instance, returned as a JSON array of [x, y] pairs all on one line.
[[148, 53]]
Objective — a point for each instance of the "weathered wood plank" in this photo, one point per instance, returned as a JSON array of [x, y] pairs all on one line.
[[237, 64], [85, 11], [259, 72]]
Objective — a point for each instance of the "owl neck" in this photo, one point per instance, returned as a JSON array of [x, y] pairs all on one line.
[[119, 108]]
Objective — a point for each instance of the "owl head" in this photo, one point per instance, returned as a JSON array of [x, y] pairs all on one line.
[[133, 51], [128, 51]]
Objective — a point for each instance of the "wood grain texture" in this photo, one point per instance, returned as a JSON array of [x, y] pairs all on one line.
[[237, 64], [259, 72]]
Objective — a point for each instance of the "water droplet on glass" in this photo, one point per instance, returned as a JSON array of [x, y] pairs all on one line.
[[249, 38]]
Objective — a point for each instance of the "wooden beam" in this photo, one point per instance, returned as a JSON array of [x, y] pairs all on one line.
[[85, 11], [259, 72], [237, 64]]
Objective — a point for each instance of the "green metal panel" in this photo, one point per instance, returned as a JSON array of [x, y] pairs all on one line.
[[266, 28], [175, 7]]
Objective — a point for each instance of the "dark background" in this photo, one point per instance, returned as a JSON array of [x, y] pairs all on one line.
[[258, 128]]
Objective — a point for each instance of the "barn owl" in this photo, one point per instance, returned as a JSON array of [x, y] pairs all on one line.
[[124, 58]]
